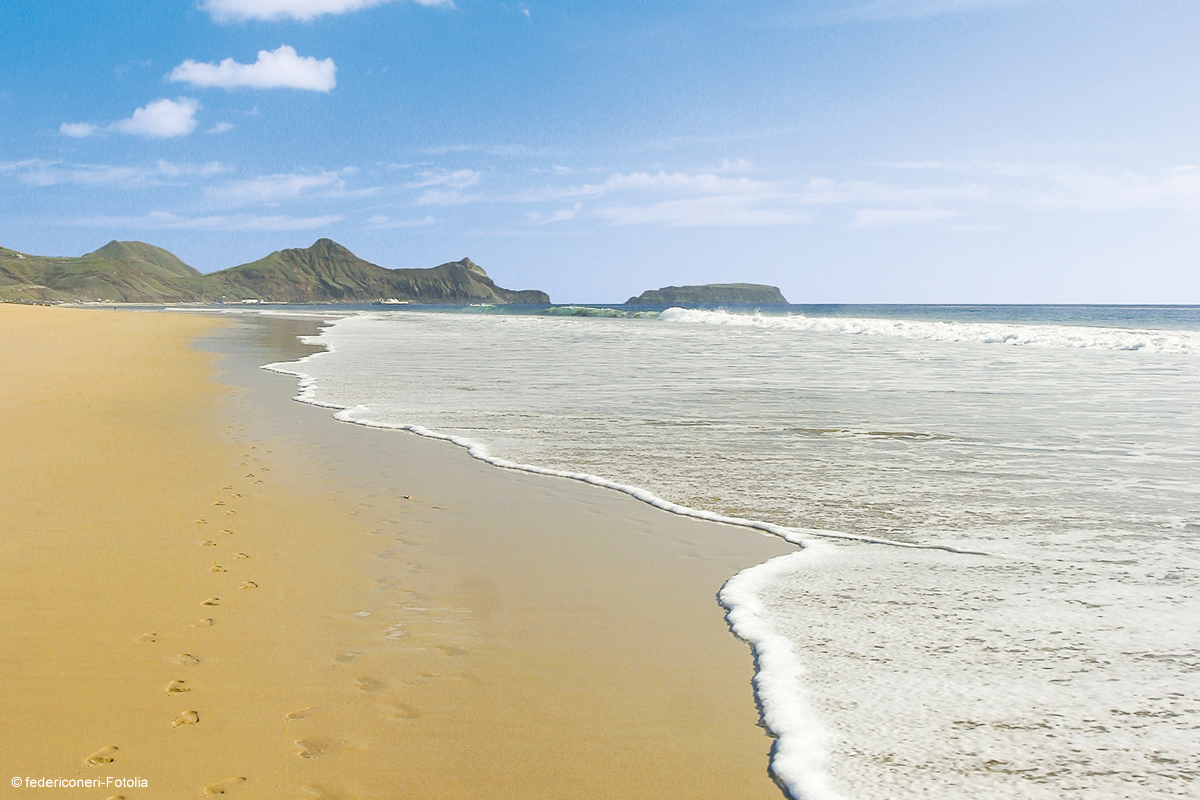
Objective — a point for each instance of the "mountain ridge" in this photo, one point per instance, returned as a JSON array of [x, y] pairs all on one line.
[[325, 272]]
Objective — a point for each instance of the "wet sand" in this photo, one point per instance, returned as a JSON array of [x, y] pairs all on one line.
[[224, 591]]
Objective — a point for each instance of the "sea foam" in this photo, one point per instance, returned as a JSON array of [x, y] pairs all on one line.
[[1053, 336]]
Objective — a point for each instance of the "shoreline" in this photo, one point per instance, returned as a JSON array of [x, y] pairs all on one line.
[[491, 633]]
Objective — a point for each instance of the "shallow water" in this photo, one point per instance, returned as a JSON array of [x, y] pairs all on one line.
[[1063, 663]]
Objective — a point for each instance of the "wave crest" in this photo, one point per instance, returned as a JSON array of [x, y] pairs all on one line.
[[1024, 335]]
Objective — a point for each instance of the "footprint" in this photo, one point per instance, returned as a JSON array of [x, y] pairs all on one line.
[[226, 531], [201, 522], [148, 638], [227, 487], [185, 719], [451, 650], [240, 555], [218, 502], [177, 687], [208, 543], [403, 711], [204, 623], [212, 601], [229, 512], [368, 685], [249, 585], [345, 658], [116, 797], [187, 660], [308, 748], [218, 568], [105, 755], [221, 787], [300, 713]]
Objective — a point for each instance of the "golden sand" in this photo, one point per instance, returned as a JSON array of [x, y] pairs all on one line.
[[292, 608]]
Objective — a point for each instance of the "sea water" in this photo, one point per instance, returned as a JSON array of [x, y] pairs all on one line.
[[999, 507]]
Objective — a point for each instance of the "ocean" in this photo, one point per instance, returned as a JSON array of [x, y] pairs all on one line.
[[998, 509]]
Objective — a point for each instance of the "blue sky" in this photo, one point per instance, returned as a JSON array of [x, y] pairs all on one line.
[[853, 151]]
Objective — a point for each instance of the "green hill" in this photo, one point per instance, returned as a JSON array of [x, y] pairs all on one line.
[[130, 272], [734, 294], [323, 273]]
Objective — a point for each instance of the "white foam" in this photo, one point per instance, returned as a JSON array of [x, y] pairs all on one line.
[[1057, 336], [800, 752]]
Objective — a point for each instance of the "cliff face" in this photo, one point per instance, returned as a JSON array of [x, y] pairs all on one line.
[[323, 273], [734, 294]]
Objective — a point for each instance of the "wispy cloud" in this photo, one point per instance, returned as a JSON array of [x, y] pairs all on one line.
[[445, 188], [713, 211], [165, 220], [39, 172], [679, 182], [275, 69], [161, 119], [824, 12], [304, 10], [386, 223], [561, 215], [272, 188], [873, 217], [458, 179], [221, 127], [1069, 186], [692, 200]]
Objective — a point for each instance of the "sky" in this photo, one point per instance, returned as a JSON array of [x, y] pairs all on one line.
[[847, 151]]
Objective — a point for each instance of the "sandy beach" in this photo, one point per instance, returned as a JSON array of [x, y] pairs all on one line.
[[217, 590]]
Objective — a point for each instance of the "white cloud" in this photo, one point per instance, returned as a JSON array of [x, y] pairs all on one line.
[[459, 179], [663, 182], [825, 191], [274, 69], [161, 119], [385, 223], [227, 10], [710, 211], [77, 130], [693, 200], [163, 220], [1176, 189], [1065, 186], [444, 188], [272, 188], [39, 172], [873, 217], [562, 215], [221, 127]]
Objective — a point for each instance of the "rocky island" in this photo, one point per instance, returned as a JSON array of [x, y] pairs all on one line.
[[733, 294]]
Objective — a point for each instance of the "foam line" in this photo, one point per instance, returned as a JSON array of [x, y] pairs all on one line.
[[799, 753]]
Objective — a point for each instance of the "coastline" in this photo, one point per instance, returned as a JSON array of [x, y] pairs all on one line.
[[434, 626]]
